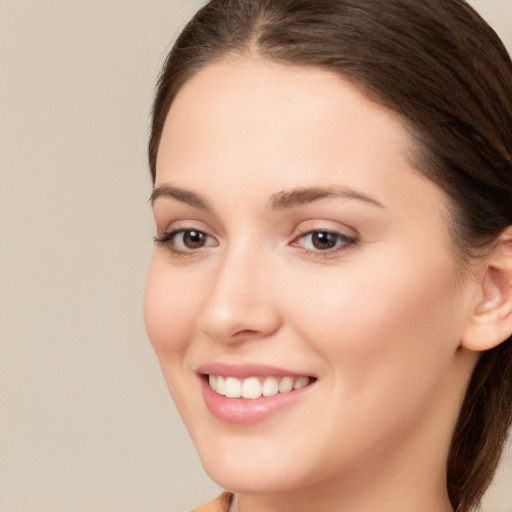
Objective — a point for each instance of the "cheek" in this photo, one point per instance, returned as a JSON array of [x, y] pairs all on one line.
[[387, 341], [171, 304], [170, 308], [381, 323]]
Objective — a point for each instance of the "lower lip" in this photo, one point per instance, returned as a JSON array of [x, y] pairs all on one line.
[[244, 411]]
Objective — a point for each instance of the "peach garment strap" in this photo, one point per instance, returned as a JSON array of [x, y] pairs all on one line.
[[221, 504]]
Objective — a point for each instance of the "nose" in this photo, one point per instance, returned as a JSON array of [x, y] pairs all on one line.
[[240, 305]]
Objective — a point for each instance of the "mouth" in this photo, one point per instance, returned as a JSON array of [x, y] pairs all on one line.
[[254, 387], [251, 393]]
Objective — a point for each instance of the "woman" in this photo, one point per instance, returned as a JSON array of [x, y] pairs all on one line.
[[330, 292]]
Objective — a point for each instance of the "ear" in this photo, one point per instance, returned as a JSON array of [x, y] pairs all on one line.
[[491, 321]]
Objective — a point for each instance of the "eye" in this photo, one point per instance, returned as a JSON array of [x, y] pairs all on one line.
[[191, 239], [185, 240], [323, 241]]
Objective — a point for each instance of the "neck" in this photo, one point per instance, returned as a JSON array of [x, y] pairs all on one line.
[[357, 494], [408, 474]]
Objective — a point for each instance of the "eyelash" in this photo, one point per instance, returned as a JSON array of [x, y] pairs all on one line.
[[167, 238], [345, 242]]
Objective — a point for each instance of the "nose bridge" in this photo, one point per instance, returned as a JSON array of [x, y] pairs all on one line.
[[239, 304]]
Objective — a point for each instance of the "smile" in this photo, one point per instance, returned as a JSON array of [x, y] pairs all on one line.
[[250, 399], [256, 387]]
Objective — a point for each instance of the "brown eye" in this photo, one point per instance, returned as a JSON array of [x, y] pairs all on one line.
[[193, 239], [183, 241], [324, 240]]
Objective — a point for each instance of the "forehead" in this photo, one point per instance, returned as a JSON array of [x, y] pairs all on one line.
[[269, 127], [248, 103]]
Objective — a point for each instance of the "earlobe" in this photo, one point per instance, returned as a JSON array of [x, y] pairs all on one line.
[[491, 321]]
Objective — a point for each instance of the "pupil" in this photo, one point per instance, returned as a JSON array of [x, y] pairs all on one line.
[[194, 239], [324, 240]]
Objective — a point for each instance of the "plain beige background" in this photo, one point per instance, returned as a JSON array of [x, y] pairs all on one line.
[[85, 420]]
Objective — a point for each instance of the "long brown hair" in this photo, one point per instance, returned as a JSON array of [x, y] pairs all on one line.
[[440, 66]]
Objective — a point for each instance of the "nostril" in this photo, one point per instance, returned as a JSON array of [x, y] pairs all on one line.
[[246, 333], [231, 317]]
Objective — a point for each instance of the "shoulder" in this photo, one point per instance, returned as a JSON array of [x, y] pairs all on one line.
[[221, 504]]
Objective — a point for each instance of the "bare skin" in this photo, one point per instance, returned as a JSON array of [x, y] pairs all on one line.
[[295, 233]]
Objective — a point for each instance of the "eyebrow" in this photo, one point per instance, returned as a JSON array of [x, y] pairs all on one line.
[[301, 196], [280, 201], [180, 194]]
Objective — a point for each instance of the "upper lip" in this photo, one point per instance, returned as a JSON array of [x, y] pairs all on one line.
[[242, 371]]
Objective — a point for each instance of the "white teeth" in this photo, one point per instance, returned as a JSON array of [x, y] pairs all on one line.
[[255, 387], [270, 387], [251, 388], [221, 385], [233, 388], [300, 382], [286, 385]]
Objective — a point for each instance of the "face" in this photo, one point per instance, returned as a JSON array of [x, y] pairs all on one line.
[[297, 247]]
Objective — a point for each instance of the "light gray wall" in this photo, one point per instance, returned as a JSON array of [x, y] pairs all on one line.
[[85, 420]]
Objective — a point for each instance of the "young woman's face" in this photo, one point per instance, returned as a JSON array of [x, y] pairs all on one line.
[[297, 246]]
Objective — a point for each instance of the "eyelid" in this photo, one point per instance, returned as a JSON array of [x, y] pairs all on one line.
[[166, 237], [169, 234], [348, 241], [313, 225], [166, 226]]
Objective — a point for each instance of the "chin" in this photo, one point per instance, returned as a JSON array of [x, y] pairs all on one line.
[[250, 467], [247, 477]]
